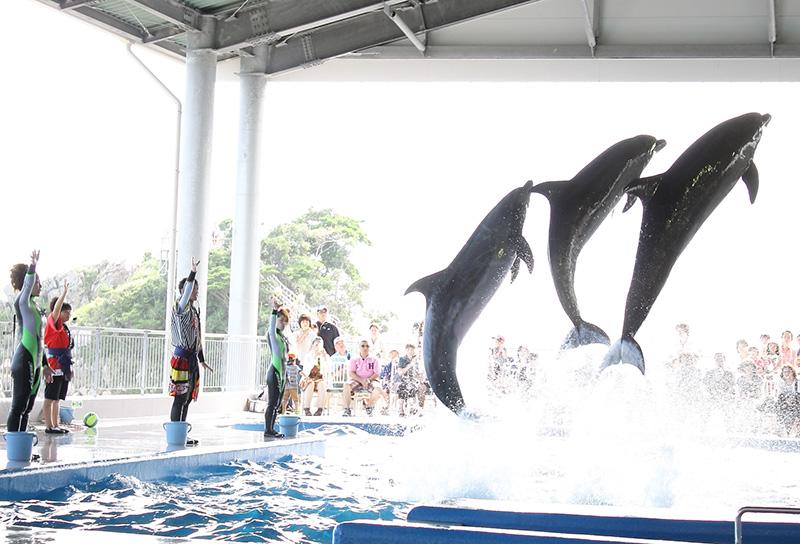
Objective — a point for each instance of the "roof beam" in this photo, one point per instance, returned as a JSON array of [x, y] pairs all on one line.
[[72, 4], [588, 25], [374, 28], [104, 20], [172, 12], [269, 22], [772, 31]]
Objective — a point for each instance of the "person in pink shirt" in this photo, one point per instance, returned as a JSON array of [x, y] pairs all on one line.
[[363, 377], [787, 351]]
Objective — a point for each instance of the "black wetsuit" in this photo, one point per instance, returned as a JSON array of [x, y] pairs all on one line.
[[26, 368], [276, 375]]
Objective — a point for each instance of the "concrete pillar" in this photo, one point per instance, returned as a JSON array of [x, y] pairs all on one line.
[[194, 230], [246, 247]]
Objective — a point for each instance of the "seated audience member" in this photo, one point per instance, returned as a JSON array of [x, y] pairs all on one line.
[[408, 383], [719, 380], [387, 379], [314, 382], [787, 353], [788, 404], [339, 361], [292, 387], [749, 383], [363, 377]]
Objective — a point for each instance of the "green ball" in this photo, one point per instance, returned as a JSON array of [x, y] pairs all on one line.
[[90, 419]]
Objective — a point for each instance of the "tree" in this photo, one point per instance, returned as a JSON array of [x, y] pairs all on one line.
[[137, 303], [311, 255]]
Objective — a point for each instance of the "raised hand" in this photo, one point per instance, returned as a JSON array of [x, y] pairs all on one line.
[[66, 287], [34, 256], [275, 304], [195, 262]]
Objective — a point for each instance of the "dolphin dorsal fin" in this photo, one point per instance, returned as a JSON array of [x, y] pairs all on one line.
[[548, 188], [750, 178], [644, 188], [426, 285]]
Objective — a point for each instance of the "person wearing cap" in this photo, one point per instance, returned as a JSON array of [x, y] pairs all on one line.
[[327, 331], [292, 390]]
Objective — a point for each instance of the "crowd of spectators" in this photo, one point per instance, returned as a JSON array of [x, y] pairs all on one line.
[[320, 365]]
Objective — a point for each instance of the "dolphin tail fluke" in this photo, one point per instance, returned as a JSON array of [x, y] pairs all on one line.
[[546, 188], [643, 188], [425, 285], [625, 350], [585, 334], [750, 179]]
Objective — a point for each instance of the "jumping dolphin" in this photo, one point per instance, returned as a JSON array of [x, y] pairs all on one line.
[[675, 205], [456, 295], [577, 208]]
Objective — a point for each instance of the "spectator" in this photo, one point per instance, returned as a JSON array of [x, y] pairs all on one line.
[[497, 358], [59, 343], [408, 382], [387, 380], [363, 377], [764, 338], [771, 360], [788, 405], [741, 349], [749, 382], [787, 353], [327, 331], [303, 339], [292, 387], [527, 367], [315, 383], [376, 347], [340, 359], [719, 380]]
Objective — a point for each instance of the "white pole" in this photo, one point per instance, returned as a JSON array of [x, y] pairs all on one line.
[[245, 246]]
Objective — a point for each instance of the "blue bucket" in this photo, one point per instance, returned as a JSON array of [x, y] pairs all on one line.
[[288, 425], [176, 432], [19, 445], [66, 414]]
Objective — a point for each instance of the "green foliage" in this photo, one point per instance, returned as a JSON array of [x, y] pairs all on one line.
[[137, 303], [311, 256]]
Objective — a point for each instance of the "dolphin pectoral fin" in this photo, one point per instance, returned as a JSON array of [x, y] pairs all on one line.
[[625, 350], [515, 269], [750, 179], [524, 252], [585, 334], [425, 285], [644, 188], [629, 203]]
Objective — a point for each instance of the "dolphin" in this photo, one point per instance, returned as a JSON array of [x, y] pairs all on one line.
[[577, 207], [675, 205], [456, 296]]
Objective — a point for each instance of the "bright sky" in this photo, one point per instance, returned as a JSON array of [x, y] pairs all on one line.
[[87, 143]]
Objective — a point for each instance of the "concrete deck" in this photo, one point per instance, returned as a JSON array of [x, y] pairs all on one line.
[[138, 447]]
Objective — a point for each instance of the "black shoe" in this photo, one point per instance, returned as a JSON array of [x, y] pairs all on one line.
[[49, 430], [347, 412], [306, 412], [369, 411], [62, 430], [192, 441], [272, 435], [318, 412]]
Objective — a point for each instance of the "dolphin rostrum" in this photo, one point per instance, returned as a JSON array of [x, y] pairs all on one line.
[[456, 296], [577, 207], [675, 205]]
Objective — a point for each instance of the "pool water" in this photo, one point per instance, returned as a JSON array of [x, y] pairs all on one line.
[[297, 499]]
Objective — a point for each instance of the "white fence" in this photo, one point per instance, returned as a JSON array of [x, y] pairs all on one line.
[[129, 361]]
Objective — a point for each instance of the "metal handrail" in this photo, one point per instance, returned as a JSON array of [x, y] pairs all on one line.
[[737, 528]]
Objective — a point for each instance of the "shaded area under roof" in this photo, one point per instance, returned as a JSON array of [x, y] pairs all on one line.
[[306, 33]]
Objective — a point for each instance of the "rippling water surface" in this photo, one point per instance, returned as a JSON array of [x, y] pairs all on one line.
[[297, 499]]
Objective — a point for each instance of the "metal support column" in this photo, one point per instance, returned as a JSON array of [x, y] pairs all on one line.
[[194, 230], [246, 246]]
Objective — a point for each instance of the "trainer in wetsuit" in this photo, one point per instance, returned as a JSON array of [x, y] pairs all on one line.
[[188, 355], [276, 373], [29, 363], [58, 342]]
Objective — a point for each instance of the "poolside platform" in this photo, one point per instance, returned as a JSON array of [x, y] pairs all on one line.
[[137, 447], [41, 535]]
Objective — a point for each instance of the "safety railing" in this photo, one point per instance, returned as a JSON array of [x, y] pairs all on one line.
[[737, 527], [131, 361]]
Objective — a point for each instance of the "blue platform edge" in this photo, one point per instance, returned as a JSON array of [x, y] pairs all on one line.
[[703, 531], [378, 429]]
